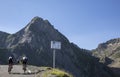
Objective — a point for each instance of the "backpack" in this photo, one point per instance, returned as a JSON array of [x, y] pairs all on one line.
[[10, 60], [24, 60]]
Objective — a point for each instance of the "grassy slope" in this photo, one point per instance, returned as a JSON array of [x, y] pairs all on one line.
[[54, 73]]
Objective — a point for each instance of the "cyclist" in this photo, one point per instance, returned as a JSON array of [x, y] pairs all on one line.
[[24, 63], [10, 61]]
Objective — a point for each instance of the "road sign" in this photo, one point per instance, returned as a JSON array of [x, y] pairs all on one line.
[[55, 45]]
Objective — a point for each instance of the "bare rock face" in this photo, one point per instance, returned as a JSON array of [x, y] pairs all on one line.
[[34, 42], [109, 54], [108, 49]]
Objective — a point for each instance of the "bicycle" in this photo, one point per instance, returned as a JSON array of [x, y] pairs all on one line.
[[10, 68], [24, 67]]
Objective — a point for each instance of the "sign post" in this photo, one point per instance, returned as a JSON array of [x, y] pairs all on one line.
[[53, 58], [55, 45]]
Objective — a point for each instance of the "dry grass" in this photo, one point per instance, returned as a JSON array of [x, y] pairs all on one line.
[[56, 73]]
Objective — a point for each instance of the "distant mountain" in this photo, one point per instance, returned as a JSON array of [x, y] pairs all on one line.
[[109, 54], [34, 42], [110, 49], [3, 37]]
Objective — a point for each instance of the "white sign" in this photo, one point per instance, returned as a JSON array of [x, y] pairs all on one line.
[[55, 45]]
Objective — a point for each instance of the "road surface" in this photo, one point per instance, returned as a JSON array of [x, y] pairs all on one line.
[[18, 72]]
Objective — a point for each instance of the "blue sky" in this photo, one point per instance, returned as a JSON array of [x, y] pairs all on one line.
[[84, 22]]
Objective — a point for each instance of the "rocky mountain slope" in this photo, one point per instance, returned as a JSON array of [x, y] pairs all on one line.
[[34, 42], [109, 49], [3, 37], [109, 54]]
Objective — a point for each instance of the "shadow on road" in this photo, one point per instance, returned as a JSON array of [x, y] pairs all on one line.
[[17, 73]]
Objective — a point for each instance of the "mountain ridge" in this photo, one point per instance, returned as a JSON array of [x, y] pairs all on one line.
[[109, 54], [34, 42]]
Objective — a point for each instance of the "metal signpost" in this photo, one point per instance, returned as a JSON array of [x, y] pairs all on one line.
[[55, 45]]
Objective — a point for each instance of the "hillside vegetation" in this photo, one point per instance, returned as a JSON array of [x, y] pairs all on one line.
[[52, 72]]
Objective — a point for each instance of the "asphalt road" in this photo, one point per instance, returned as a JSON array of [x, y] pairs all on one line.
[[18, 72]]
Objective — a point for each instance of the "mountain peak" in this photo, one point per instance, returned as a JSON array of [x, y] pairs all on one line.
[[38, 24], [109, 43], [36, 19]]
